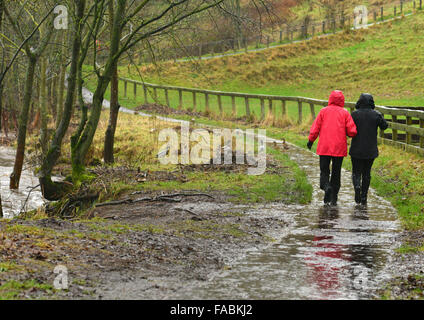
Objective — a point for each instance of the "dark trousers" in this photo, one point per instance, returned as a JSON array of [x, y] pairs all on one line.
[[362, 166], [361, 174], [336, 167]]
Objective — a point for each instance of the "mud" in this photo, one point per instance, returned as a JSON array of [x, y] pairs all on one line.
[[143, 250]]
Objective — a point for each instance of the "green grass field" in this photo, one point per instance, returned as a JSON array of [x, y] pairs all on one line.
[[386, 60]]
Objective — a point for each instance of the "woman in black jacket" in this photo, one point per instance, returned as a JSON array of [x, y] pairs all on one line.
[[363, 149]]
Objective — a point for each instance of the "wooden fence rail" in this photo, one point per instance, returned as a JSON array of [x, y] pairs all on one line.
[[409, 121], [285, 33]]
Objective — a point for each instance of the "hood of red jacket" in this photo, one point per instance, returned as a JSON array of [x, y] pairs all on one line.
[[336, 99]]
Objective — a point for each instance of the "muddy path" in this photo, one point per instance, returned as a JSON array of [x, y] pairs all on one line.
[[327, 253], [343, 252]]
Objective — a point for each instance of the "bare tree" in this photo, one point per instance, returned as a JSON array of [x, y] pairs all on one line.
[[33, 54], [160, 18]]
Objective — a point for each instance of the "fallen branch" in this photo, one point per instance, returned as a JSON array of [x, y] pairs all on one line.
[[163, 197], [113, 203]]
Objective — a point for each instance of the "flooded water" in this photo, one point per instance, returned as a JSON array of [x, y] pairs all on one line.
[[20, 200], [327, 253]]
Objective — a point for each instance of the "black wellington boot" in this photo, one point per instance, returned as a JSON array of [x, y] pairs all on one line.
[[334, 196], [364, 189], [356, 179], [326, 186], [328, 194]]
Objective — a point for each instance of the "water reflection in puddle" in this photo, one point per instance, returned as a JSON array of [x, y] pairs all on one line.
[[328, 252]]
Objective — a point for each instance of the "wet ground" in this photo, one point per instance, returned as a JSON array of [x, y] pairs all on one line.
[[318, 252], [326, 252], [27, 197]]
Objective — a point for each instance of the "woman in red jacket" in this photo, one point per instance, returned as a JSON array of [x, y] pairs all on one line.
[[332, 125]]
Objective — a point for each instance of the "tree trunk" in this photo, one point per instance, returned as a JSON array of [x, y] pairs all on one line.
[[51, 190], [81, 144], [53, 97], [114, 106], [113, 119], [1, 105], [1, 71], [62, 73], [43, 106], [23, 122], [1, 208]]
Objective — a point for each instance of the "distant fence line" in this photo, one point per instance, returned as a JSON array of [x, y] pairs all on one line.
[[286, 34], [413, 125]]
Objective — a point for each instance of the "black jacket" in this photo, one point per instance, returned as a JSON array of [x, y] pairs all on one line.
[[367, 120]]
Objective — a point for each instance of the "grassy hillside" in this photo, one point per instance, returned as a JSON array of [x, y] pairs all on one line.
[[386, 60]]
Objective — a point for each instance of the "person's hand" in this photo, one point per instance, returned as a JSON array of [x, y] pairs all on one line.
[[309, 144]]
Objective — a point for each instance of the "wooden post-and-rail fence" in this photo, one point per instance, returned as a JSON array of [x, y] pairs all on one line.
[[285, 33], [406, 120]]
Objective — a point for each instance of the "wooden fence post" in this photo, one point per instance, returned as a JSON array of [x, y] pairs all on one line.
[[270, 106], [283, 108], [381, 131], [323, 27], [281, 36], [246, 101], [233, 103], [382, 13], [155, 94], [299, 105], [262, 109], [408, 135], [220, 104], [206, 102], [194, 101], [180, 95], [375, 16], [394, 131], [311, 105], [394, 11], [135, 90], [421, 137], [167, 97], [125, 88], [146, 100]]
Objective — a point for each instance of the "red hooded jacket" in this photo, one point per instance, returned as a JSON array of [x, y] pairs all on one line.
[[332, 125]]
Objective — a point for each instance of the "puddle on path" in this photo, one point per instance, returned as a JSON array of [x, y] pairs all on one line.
[[327, 253]]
